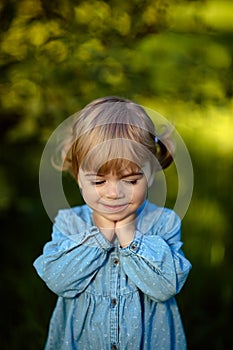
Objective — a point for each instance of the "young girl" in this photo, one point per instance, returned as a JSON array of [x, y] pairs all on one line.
[[116, 262]]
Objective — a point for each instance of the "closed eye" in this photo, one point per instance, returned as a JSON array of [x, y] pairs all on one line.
[[132, 182], [97, 183]]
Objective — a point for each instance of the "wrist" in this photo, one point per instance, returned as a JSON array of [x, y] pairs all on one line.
[[125, 236], [125, 244]]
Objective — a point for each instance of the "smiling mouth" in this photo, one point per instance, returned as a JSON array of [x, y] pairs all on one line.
[[115, 207]]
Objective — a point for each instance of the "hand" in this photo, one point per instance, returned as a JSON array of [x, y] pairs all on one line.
[[106, 227], [124, 230]]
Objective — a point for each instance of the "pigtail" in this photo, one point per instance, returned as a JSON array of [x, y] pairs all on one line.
[[62, 157], [165, 148]]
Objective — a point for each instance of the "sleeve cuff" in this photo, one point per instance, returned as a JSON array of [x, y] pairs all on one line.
[[102, 241], [134, 246]]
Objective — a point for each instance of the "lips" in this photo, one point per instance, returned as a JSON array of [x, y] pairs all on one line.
[[116, 207]]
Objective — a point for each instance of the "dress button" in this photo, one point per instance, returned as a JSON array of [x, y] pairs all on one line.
[[114, 301], [134, 246], [116, 261]]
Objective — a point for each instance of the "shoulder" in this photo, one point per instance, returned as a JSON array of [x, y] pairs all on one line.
[[158, 219], [73, 220], [82, 211]]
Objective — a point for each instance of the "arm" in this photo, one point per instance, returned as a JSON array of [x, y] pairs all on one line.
[[70, 260], [155, 262]]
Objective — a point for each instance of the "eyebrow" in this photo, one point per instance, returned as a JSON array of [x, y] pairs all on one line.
[[133, 174]]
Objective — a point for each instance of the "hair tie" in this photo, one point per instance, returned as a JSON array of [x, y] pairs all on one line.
[[156, 139]]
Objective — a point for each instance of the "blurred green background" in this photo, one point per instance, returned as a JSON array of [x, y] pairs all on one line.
[[172, 56]]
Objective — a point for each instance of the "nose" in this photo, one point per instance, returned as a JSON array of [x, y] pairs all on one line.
[[114, 190]]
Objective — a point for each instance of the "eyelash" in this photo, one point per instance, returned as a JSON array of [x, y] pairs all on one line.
[[99, 183], [132, 182], [96, 183]]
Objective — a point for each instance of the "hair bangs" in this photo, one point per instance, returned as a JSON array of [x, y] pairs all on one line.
[[116, 154], [118, 166]]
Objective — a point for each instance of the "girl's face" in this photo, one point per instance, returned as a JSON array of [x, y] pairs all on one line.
[[114, 197]]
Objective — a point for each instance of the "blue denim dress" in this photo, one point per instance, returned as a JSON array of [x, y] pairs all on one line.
[[111, 297]]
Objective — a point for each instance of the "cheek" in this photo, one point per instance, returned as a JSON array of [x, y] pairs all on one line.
[[141, 193], [90, 194]]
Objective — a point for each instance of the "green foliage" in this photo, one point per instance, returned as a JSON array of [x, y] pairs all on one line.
[[172, 56]]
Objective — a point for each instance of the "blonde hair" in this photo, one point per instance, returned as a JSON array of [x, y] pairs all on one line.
[[112, 134]]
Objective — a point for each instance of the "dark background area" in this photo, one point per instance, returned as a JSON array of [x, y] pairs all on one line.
[[172, 56]]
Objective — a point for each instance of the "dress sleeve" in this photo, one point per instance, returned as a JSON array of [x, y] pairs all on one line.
[[70, 260], [155, 262]]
